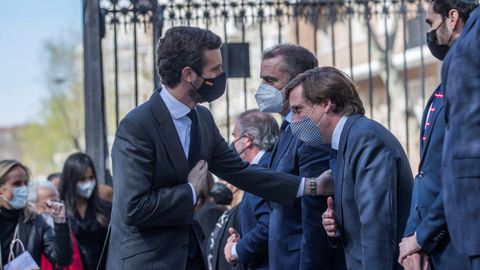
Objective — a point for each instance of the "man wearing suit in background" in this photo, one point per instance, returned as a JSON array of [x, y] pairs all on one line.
[[286, 246], [372, 176], [254, 135], [161, 154], [461, 151], [426, 232]]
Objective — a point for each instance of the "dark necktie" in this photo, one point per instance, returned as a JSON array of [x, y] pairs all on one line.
[[192, 161], [284, 125], [193, 151], [333, 162]]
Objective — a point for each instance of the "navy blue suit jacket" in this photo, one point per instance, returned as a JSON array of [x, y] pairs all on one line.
[[373, 188], [292, 156], [254, 215], [461, 152], [427, 217]]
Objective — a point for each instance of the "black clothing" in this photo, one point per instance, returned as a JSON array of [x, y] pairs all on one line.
[[37, 236], [90, 235]]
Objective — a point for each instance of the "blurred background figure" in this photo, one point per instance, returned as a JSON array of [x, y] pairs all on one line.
[[88, 214], [207, 211], [18, 221], [55, 179], [39, 193], [254, 136], [224, 194]]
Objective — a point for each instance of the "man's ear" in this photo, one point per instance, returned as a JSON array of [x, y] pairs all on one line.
[[188, 74], [327, 105], [453, 17]]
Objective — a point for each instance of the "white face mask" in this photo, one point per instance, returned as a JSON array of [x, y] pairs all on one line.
[[85, 189], [19, 198], [269, 99]]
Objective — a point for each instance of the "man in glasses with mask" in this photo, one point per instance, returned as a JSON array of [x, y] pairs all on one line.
[[372, 175], [294, 244], [161, 155], [426, 240], [460, 171]]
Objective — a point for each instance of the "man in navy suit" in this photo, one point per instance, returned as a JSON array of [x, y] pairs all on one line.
[[255, 134], [372, 175], [461, 152], [426, 231], [286, 244]]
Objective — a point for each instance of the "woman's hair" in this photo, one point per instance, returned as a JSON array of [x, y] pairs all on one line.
[[73, 170], [6, 166]]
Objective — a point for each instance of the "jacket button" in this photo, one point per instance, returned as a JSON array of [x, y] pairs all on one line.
[[436, 239], [420, 174]]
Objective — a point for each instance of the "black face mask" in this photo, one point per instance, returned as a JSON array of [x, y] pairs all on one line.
[[232, 145], [438, 51], [213, 88], [221, 194]]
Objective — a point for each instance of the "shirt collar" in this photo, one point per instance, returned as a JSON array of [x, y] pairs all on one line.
[[176, 108], [257, 158], [288, 117], [337, 132]]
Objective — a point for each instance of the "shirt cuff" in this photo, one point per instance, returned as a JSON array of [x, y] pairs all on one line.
[[301, 188], [234, 250], [193, 193]]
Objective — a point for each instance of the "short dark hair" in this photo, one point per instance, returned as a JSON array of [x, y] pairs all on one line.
[[297, 58], [53, 175], [183, 46], [464, 7], [261, 126], [320, 84]]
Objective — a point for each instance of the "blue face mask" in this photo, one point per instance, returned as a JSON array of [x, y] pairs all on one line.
[[307, 131], [19, 198]]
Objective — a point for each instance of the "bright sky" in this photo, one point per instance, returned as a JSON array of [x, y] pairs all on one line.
[[25, 25]]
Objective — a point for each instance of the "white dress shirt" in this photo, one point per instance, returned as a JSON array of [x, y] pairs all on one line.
[[182, 122], [337, 132]]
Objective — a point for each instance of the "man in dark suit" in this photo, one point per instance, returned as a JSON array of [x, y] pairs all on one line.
[[255, 134], [289, 247], [426, 231], [372, 176], [461, 151], [161, 155]]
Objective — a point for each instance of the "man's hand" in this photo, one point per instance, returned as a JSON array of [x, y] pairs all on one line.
[[416, 261], [231, 241], [197, 176], [325, 185], [328, 218], [408, 246]]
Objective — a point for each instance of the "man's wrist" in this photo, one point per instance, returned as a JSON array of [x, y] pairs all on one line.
[[311, 186]]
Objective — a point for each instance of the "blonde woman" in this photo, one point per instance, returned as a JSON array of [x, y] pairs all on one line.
[[17, 221]]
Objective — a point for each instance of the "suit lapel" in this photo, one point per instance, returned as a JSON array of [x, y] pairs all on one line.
[[340, 164], [169, 135], [280, 148], [433, 120]]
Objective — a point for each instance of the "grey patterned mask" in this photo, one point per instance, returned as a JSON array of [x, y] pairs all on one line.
[[307, 131]]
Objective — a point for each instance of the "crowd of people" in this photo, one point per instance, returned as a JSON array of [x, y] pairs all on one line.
[[327, 189]]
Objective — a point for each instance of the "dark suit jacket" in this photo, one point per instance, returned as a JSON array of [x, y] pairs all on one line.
[[152, 202], [292, 156], [461, 152], [373, 187], [253, 216], [427, 217]]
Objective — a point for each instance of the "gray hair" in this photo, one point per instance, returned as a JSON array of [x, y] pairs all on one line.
[[34, 186], [262, 128]]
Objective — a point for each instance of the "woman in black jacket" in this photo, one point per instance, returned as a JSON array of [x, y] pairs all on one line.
[[88, 215], [17, 221]]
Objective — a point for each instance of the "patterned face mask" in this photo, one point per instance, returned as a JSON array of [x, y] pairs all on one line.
[[307, 131]]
